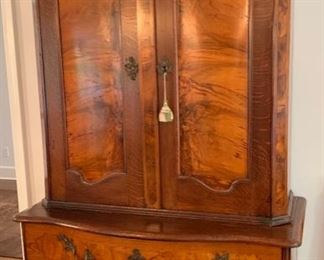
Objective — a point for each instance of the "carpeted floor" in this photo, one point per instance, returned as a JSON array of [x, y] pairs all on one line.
[[10, 243]]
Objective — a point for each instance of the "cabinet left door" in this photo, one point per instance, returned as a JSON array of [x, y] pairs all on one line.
[[94, 101]]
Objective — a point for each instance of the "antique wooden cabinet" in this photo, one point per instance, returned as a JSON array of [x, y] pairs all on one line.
[[166, 131]]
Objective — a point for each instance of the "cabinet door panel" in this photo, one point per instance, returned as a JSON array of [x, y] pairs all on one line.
[[213, 89], [94, 107], [92, 64], [214, 153]]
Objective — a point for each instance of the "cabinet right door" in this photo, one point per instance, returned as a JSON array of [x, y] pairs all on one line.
[[216, 153]]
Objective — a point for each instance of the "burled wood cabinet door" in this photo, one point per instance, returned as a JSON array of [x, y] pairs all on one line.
[[215, 155], [96, 101]]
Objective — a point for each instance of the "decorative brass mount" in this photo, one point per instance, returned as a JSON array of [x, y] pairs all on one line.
[[88, 255], [131, 68], [136, 255], [224, 256], [68, 243]]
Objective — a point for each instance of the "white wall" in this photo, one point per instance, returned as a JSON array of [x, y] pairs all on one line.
[[22, 76], [307, 153], [29, 88], [7, 170]]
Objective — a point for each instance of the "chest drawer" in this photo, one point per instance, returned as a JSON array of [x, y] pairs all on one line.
[[50, 242]]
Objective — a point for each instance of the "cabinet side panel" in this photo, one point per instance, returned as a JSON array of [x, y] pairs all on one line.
[[54, 105], [281, 75]]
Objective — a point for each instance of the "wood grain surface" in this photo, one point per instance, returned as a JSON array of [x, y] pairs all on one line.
[[172, 227], [250, 194], [149, 90], [96, 149], [226, 150], [52, 73], [281, 73], [212, 68], [92, 63], [42, 243]]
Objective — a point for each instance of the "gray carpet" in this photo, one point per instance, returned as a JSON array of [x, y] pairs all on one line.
[[10, 243]]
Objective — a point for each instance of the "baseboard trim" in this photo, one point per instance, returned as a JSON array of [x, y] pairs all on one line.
[[8, 184], [8, 178], [7, 172], [7, 167]]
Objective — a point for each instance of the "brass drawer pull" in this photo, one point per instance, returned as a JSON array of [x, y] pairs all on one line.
[[131, 68], [136, 255], [223, 256], [88, 255], [68, 243]]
